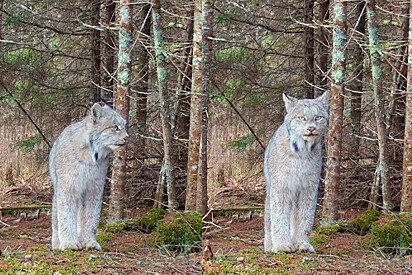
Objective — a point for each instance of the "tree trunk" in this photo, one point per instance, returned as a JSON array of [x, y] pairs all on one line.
[[323, 49], [143, 70], [334, 136], [309, 49], [406, 200], [207, 18], [356, 94], [121, 103], [193, 202], [165, 115], [95, 52], [382, 169], [107, 92]]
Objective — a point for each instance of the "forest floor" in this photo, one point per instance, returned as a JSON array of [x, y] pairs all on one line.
[[25, 249], [237, 248]]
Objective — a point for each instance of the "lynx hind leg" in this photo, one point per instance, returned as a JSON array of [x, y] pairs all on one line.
[[67, 223], [89, 217], [55, 226], [267, 244], [304, 218]]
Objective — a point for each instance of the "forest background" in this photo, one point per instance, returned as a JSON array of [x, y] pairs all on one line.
[[59, 57]]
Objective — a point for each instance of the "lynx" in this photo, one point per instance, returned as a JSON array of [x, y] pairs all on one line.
[[292, 168], [78, 166]]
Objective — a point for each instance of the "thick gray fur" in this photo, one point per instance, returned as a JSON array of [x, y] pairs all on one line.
[[78, 166], [292, 168]]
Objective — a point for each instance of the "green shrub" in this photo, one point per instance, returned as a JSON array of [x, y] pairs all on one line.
[[182, 233], [394, 236]]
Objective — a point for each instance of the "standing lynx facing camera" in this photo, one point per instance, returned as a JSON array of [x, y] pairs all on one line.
[[292, 167], [78, 166]]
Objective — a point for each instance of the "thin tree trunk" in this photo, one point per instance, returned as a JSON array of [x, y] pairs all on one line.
[[121, 103], [95, 52], [207, 18], [323, 48], [356, 94], [309, 49], [382, 176], [165, 115], [107, 92], [406, 199], [334, 136], [193, 200], [143, 71]]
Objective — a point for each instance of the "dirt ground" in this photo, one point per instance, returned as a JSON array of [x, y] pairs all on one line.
[[237, 248], [25, 249]]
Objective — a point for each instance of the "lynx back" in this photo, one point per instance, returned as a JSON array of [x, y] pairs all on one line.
[[78, 166], [292, 167]]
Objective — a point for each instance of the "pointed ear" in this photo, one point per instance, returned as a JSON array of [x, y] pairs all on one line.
[[96, 112], [289, 102], [324, 98]]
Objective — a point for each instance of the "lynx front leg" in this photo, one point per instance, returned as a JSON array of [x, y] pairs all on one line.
[[90, 216], [280, 205], [267, 245], [304, 219], [67, 224]]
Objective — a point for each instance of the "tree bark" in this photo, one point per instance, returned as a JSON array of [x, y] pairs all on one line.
[[382, 176], [334, 136], [323, 49], [207, 18], [95, 52], [165, 115], [309, 49], [193, 200], [356, 94], [121, 103], [406, 200], [110, 16]]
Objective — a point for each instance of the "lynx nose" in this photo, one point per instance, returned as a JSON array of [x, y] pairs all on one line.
[[311, 129]]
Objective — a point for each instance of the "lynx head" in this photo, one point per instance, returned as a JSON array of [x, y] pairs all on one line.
[[306, 121], [108, 130]]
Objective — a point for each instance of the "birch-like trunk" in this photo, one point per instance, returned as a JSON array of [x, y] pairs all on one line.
[[406, 200], [121, 104], [382, 177], [192, 198], [334, 136], [167, 174]]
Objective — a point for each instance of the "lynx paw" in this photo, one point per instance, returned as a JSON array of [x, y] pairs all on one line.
[[305, 246], [70, 246], [283, 247], [92, 245]]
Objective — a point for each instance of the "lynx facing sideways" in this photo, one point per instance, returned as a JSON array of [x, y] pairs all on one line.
[[292, 167], [78, 167]]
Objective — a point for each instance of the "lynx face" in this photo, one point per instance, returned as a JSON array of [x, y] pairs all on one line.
[[307, 118], [108, 128]]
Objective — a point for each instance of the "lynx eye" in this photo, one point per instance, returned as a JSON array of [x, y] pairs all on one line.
[[319, 118], [117, 128], [302, 118]]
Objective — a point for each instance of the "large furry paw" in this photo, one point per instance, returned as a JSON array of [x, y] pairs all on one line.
[[92, 245], [70, 246], [283, 247], [305, 246]]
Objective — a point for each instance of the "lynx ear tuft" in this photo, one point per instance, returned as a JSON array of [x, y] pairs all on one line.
[[96, 112], [289, 102], [324, 98]]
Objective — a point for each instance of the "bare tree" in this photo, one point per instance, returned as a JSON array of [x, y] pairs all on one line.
[[167, 173], [121, 103], [193, 201], [95, 52], [334, 136], [406, 200], [309, 49]]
